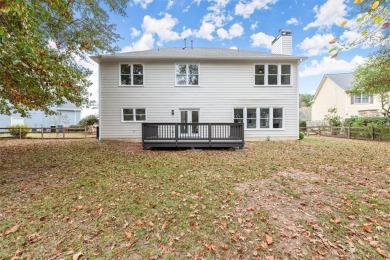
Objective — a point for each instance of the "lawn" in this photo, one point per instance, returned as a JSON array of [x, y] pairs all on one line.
[[321, 198]]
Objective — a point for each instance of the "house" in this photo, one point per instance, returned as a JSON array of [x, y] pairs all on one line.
[[69, 114], [201, 85], [333, 92]]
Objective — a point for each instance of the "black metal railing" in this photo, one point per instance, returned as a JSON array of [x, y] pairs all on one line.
[[192, 135]]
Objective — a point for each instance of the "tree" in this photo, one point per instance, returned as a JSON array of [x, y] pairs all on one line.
[[373, 77], [305, 100], [41, 43], [372, 24], [89, 121]]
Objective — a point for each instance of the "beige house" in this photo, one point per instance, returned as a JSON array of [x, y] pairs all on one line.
[[333, 92]]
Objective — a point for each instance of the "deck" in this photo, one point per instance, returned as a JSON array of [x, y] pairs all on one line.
[[192, 135]]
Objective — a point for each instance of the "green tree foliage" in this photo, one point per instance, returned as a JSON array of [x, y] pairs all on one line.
[[374, 77], [41, 43], [372, 23], [89, 121], [332, 118], [305, 100]]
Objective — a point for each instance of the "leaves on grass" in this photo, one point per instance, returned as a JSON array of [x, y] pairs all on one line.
[[11, 230]]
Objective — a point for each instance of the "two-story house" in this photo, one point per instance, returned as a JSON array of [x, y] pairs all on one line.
[[333, 93], [201, 85]]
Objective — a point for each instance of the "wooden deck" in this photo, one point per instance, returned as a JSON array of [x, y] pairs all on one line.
[[192, 135]]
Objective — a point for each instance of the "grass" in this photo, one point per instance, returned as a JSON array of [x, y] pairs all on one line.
[[114, 200]]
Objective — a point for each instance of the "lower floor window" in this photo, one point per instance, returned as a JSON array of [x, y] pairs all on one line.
[[268, 117], [133, 114]]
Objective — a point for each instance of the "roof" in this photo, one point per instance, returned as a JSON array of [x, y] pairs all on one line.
[[344, 80], [194, 53]]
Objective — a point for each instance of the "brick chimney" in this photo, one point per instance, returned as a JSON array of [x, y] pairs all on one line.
[[282, 44]]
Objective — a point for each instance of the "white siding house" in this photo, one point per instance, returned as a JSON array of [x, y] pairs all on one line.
[[333, 93], [202, 85]]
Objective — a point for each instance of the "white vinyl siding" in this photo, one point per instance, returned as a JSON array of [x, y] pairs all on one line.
[[226, 85]]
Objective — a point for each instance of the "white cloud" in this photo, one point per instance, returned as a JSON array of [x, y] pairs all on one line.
[[262, 40], [186, 33], [329, 65], [145, 43], [170, 4], [331, 13], [245, 8], [233, 48], [253, 26], [206, 31], [236, 30], [143, 3], [162, 27], [292, 21], [135, 32], [316, 45]]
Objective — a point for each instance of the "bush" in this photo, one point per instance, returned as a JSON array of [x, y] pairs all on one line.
[[19, 130], [74, 126], [301, 135], [302, 123], [89, 121], [365, 121]]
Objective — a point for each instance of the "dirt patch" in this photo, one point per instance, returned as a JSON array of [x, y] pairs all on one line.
[[296, 203]]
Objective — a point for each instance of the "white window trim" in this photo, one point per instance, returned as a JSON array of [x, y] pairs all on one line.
[[134, 115], [361, 103], [132, 75], [271, 118], [187, 63], [279, 76]]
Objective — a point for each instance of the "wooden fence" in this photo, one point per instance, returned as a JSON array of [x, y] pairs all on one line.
[[362, 133], [48, 133]]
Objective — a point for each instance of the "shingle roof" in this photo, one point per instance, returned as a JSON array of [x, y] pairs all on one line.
[[194, 53], [344, 80]]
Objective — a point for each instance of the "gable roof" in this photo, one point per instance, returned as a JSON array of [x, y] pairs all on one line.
[[344, 80], [194, 53]]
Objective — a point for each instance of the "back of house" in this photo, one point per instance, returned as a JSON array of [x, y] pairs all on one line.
[[201, 85]]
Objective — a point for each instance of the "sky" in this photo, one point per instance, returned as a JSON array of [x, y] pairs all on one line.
[[246, 25]]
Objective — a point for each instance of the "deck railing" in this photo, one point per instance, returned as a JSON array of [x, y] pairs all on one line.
[[192, 135]]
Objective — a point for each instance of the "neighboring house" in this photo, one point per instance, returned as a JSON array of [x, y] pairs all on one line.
[[205, 85], [333, 92], [69, 115]]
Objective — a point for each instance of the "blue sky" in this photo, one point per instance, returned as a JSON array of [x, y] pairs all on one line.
[[247, 25]]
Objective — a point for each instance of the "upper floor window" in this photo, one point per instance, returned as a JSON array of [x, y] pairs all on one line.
[[133, 114], [187, 74], [131, 74], [272, 75], [361, 99]]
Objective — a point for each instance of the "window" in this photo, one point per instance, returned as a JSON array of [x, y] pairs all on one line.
[[238, 115], [272, 75], [131, 75], [133, 114], [187, 74], [277, 118], [251, 118], [269, 117], [361, 99], [264, 117]]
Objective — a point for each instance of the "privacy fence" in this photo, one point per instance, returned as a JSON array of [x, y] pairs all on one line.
[[362, 133], [47, 133]]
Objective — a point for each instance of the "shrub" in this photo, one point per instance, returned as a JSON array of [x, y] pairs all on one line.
[[19, 130], [89, 121], [365, 121], [302, 123], [74, 126], [301, 135]]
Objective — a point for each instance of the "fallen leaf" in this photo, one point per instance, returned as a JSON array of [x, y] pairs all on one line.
[[151, 224], [100, 211], [11, 230], [270, 257], [240, 220], [164, 225], [129, 234], [268, 239], [224, 224], [210, 246], [381, 252], [367, 228], [77, 256], [138, 223]]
